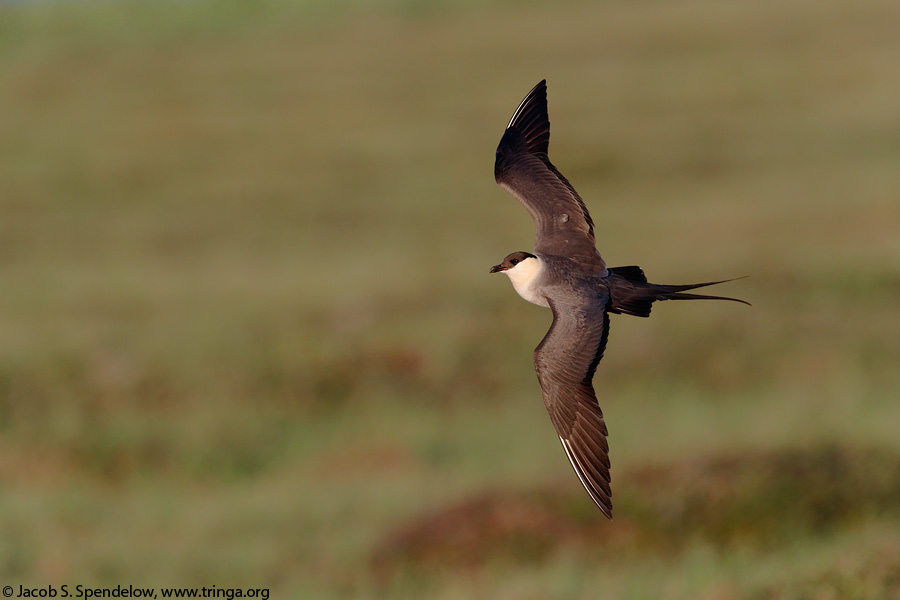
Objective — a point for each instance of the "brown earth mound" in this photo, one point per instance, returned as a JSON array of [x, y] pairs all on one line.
[[756, 500]]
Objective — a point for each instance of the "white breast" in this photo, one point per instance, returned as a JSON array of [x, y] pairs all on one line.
[[525, 278]]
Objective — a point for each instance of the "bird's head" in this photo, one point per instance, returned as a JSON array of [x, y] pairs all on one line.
[[513, 261]]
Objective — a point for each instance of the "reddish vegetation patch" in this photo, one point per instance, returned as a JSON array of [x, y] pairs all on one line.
[[383, 458], [469, 532], [751, 500], [498, 525], [18, 467]]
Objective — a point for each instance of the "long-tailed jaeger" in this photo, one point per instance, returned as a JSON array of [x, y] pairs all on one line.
[[566, 273]]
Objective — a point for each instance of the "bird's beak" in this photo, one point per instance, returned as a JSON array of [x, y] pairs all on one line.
[[496, 268]]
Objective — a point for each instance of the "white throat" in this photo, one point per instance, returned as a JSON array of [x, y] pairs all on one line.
[[525, 276]]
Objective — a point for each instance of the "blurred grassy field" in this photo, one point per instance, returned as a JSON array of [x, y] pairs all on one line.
[[248, 337]]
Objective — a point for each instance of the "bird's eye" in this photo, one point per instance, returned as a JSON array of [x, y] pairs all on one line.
[[514, 261]]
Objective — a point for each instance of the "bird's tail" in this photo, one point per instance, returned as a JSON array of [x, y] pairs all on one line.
[[631, 294]]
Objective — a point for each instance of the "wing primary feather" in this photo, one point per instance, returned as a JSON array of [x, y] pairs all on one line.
[[594, 441], [596, 420], [599, 485], [599, 462], [603, 501]]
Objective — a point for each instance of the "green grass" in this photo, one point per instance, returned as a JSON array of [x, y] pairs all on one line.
[[247, 332]]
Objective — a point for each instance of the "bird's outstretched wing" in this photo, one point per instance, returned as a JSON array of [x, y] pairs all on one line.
[[565, 362], [563, 226]]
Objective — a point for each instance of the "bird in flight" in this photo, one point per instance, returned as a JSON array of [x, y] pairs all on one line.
[[566, 273]]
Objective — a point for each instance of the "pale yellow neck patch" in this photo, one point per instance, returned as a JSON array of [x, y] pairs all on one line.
[[524, 277]]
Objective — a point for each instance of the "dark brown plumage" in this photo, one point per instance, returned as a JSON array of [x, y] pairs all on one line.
[[566, 273]]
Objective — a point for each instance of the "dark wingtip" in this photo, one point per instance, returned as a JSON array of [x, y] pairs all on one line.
[[528, 129], [531, 119]]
